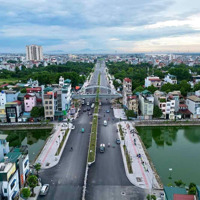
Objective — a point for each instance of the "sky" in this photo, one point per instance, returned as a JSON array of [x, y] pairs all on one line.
[[100, 26]]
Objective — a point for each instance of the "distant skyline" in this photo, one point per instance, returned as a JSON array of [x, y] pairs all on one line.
[[100, 26]]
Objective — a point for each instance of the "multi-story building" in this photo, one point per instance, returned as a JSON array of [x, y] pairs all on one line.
[[13, 111], [34, 53], [30, 101], [166, 104], [4, 146], [177, 97], [193, 103], [2, 98], [153, 80], [133, 103], [3, 114], [127, 90], [146, 104], [9, 179], [49, 104], [170, 79], [11, 95]]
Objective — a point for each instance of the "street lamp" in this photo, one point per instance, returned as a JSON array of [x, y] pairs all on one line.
[[170, 173]]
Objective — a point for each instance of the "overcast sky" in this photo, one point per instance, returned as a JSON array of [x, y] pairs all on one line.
[[100, 26]]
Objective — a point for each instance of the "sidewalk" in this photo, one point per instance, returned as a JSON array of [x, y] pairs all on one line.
[[119, 113], [47, 157], [143, 176]]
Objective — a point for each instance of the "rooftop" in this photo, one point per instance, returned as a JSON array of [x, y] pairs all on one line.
[[170, 191], [194, 98], [127, 79], [183, 197]]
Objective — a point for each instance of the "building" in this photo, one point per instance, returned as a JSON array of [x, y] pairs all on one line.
[[170, 79], [34, 53], [11, 95], [2, 98], [193, 103], [33, 83], [153, 80], [184, 112], [146, 104], [4, 146], [2, 114], [49, 106], [13, 111], [127, 90], [9, 179], [177, 97], [166, 104], [29, 102], [133, 103]]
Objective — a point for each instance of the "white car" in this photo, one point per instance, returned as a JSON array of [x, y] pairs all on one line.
[[73, 127]]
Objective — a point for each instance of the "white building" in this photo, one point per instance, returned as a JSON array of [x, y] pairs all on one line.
[[34, 52], [153, 80], [165, 103], [9, 180], [2, 98], [193, 103], [170, 79]]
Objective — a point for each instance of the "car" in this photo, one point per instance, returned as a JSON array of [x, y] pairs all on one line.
[[102, 148], [73, 127], [107, 111], [82, 130], [118, 141], [44, 190], [88, 109], [88, 103], [90, 113], [100, 103], [84, 110]]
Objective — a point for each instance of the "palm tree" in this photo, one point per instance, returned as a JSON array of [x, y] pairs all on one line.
[[37, 168]]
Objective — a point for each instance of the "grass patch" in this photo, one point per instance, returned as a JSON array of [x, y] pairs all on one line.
[[9, 80], [121, 132], [93, 137], [62, 142], [128, 160]]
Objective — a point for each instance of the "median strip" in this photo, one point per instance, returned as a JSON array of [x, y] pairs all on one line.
[[93, 136]]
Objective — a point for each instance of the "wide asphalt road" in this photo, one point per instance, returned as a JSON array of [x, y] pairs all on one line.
[[66, 179], [107, 179]]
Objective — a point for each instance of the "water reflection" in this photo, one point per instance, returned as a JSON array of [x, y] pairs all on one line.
[[194, 137], [161, 136]]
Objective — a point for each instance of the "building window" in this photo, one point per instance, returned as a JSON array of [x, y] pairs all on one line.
[[12, 184], [46, 107], [5, 190], [46, 102], [50, 107], [47, 113], [50, 113], [50, 102]]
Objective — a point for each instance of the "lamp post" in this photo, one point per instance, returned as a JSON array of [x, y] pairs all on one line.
[[170, 173]]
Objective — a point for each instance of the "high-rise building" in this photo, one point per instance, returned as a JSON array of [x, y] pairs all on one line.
[[34, 52]]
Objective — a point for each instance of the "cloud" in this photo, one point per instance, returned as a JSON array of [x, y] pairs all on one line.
[[102, 25]]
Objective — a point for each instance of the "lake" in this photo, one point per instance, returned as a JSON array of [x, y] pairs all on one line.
[[174, 147], [35, 139]]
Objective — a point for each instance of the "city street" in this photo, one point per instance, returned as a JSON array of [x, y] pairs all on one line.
[[107, 178]]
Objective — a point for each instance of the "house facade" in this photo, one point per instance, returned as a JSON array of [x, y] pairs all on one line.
[[153, 80], [29, 102]]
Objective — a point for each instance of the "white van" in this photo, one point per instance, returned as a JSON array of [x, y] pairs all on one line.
[[105, 123]]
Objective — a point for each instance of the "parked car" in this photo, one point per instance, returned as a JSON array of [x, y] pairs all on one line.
[[44, 190], [73, 127], [118, 141], [107, 111]]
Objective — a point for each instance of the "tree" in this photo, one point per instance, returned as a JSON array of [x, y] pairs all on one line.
[[32, 182], [35, 112], [152, 89], [196, 87], [192, 189], [26, 193], [139, 89], [37, 167], [17, 70], [23, 90], [157, 113], [179, 183], [130, 113], [184, 87]]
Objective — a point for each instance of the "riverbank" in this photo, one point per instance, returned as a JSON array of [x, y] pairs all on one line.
[[33, 127]]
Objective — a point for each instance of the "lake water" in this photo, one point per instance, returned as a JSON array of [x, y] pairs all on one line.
[[35, 139], [174, 147]]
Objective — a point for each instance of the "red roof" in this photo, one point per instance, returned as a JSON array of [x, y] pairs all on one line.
[[36, 89], [132, 97], [18, 102], [127, 79], [183, 197], [4, 85], [77, 87], [185, 112], [154, 79]]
